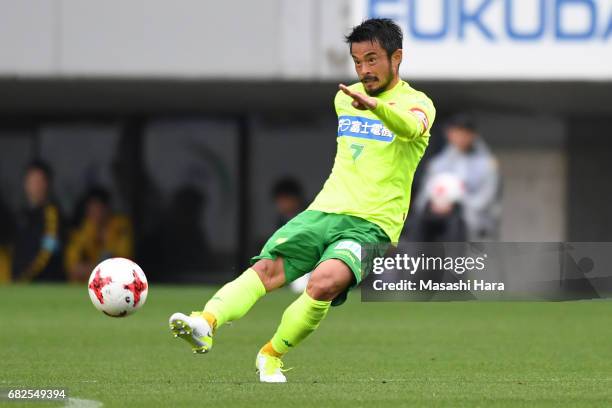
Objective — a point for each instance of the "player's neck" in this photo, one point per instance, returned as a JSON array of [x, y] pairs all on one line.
[[394, 82]]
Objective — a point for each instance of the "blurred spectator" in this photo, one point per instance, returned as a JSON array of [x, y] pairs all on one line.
[[100, 234], [442, 218], [461, 197], [7, 231], [39, 228], [289, 201], [288, 197]]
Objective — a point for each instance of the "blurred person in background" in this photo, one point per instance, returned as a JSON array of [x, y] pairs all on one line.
[[461, 195], [99, 235], [442, 218], [289, 201], [7, 231], [37, 255], [288, 197]]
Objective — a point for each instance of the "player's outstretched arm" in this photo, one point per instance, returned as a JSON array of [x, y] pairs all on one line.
[[410, 124]]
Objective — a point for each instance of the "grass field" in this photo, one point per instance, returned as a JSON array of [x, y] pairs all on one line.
[[457, 354]]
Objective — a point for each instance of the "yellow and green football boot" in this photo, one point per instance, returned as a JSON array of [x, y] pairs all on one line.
[[194, 329]]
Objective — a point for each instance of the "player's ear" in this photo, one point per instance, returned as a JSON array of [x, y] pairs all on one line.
[[396, 57]]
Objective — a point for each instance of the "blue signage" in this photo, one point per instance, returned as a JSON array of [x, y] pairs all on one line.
[[457, 16]]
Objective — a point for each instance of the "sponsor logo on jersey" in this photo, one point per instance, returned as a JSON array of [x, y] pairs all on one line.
[[364, 128], [353, 247]]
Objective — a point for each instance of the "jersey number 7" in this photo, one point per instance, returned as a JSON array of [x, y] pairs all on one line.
[[357, 150]]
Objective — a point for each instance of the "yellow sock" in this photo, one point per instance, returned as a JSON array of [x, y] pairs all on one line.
[[235, 298], [211, 319], [300, 319], [269, 350]]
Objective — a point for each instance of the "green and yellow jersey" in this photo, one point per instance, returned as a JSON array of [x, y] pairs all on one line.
[[377, 156]]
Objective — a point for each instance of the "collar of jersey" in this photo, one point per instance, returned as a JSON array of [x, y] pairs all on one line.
[[399, 84]]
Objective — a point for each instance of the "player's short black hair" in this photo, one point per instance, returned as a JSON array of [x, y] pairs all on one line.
[[42, 166], [384, 30]]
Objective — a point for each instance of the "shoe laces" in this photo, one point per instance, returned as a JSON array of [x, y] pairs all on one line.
[[197, 314], [274, 363]]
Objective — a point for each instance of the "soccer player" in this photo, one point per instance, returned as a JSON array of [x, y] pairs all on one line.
[[383, 131]]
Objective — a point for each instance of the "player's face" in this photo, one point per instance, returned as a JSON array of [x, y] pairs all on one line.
[[376, 71]]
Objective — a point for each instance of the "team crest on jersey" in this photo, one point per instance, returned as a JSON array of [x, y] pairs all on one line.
[[419, 113], [364, 128]]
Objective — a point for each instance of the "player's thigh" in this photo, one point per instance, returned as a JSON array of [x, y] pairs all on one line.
[[299, 244], [330, 278], [356, 246], [356, 242]]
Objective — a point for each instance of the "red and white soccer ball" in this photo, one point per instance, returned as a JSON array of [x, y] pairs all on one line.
[[445, 189], [118, 287]]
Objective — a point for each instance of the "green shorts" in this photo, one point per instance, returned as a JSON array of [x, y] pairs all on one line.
[[312, 237]]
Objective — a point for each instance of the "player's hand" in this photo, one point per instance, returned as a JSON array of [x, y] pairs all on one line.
[[360, 101]]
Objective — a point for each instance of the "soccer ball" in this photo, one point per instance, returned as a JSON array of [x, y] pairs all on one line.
[[118, 287], [445, 189]]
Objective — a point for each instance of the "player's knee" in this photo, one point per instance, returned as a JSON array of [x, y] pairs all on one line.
[[323, 286], [270, 272]]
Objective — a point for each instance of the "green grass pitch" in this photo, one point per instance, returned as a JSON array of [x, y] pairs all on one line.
[[455, 354]]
